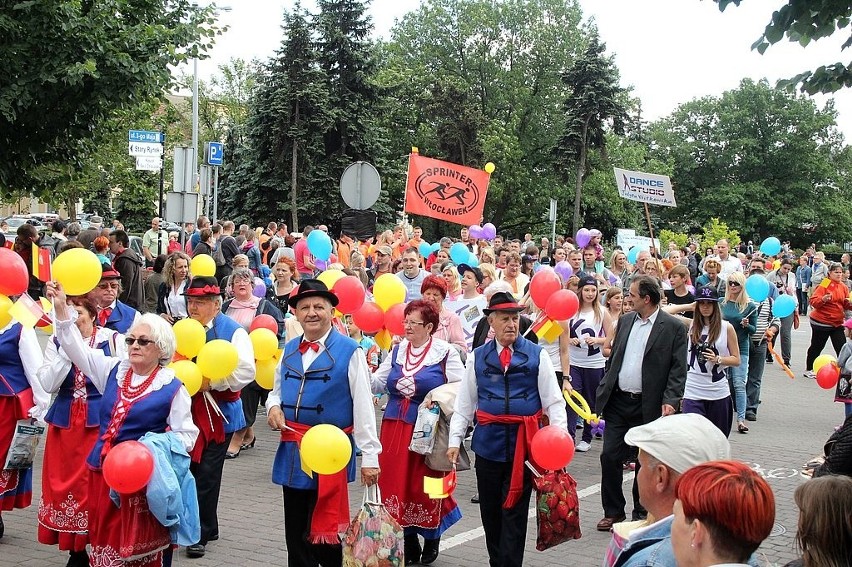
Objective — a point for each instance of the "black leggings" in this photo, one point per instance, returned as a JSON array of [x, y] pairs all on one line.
[[819, 336]]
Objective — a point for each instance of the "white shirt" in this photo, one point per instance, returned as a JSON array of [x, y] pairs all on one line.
[[56, 363], [552, 401], [630, 375], [729, 266], [440, 349], [31, 357], [363, 414], [175, 301]]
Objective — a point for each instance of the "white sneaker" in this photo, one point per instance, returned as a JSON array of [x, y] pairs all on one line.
[[583, 446], [810, 374]]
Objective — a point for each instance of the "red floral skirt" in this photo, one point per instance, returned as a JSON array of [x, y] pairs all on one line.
[[63, 511]]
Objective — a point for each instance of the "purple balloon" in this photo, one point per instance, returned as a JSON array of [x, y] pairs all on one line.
[[583, 237], [320, 264], [564, 270], [612, 279], [259, 289], [475, 231], [489, 231]]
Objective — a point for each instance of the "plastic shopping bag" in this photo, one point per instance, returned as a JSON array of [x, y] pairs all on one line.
[[423, 436]]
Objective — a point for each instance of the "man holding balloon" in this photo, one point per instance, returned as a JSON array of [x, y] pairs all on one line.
[[322, 386], [227, 363]]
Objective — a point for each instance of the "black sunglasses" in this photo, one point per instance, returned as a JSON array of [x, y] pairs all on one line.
[[142, 342]]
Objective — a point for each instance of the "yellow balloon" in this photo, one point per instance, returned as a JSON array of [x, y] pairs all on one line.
[[217, 359], [5, 305], [326, 449], [47, 329], [203, 265], [822, 360], [78, 270], [580, 406], [489, 168], [329, 277], [388, 291], [265, 343], [188, 373], [265, 376], [190, 337]]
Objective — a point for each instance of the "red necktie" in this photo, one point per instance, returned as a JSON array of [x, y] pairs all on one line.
[[104, 315], [304, 346], [505, 357]]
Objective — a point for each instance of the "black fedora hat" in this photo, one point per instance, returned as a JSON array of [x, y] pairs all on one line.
[[312, 288], [503, 302], [202, 286]]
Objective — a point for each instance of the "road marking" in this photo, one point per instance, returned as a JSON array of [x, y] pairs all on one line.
[[479, 532]]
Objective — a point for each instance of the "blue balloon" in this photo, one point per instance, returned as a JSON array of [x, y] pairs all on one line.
[[633, 254], [472, 260], [435, 247], [771, 246], [459, 253], [319, 244], [784, 306], [425, 249], [757, 287]]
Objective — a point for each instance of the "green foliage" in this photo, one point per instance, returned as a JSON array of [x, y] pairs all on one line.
[[713, 231], [803, 21], [135, 205], [667, 236]]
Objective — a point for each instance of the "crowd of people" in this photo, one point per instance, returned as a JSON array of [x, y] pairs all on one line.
[[670, 349]]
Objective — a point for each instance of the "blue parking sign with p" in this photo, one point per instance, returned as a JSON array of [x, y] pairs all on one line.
[[215, 153]]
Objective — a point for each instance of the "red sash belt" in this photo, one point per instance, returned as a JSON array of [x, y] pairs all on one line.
[[211, 426], [225, 395], [528, 425], [331, 513]]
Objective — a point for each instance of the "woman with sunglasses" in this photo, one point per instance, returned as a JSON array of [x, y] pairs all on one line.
[[140, 395], [418, 364], [741, 313], [828, 302], [63, 512]]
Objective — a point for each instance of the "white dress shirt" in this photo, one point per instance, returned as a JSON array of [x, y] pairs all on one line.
[[56, 363], [440, 349], [552, 401], [363, 413], [630, 375]]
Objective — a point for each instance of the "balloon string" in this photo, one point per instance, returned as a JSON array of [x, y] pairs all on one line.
[[288, 428]]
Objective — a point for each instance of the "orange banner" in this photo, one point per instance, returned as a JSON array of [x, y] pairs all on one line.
[[444, 190]]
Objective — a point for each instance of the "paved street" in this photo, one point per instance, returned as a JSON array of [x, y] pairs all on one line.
[[794, 421]]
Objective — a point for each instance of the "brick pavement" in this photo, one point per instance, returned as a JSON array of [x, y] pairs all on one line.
[[795, 420]]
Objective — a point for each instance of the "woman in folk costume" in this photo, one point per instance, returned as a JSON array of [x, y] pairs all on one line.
[[140, 395], [21, 397], [413, 368], [63, 513]]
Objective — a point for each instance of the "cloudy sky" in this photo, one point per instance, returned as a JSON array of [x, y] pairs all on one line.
[[669, 51]]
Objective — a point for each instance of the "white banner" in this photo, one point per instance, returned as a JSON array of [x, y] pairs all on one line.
[[626, 238], [470, 312], [645, 187], [148, 163]]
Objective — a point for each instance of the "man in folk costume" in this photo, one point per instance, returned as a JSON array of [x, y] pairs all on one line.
[[322, 378], [509, 385], [112, 313], [216, 407]]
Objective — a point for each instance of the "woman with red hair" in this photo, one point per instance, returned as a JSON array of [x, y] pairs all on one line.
[[722, 512], [434, 290]]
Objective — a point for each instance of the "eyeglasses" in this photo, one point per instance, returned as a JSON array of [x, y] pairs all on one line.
[[142, 342], [734, 284], [412, 323], [109, 286]]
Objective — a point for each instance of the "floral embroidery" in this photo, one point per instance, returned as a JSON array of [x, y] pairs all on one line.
[[70, 517]]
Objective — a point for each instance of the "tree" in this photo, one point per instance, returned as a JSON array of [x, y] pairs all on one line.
[[595, 102], [803, 21], [69, 65]]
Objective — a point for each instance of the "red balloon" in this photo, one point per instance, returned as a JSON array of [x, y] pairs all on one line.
[[351, 294], [15, 278], [552, 448], [369, 318], [544, 283], [769, 265], [128, 467], [562, 305], [827, 376], [393, 319], [264, 321]]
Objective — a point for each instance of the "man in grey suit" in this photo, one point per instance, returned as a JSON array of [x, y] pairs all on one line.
[[645, 380]]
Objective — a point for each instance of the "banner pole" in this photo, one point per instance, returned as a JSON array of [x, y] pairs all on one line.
[[414, 150], [650, 228]]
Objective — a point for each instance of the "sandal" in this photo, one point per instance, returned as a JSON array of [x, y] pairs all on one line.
[[232, 454], [248, 445], [742, 427]]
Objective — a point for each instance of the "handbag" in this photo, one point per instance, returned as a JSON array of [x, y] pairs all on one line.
[[373, 537], [437, 459], [557, 509]]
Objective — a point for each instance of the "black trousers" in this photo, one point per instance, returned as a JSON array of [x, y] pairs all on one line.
[[819, 336], [208, 481], [505, 530], [622, 413], [298, 510]]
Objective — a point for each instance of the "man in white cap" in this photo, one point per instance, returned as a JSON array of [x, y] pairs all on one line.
[[668, 446]]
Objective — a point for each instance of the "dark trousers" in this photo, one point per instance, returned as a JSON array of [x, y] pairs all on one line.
[[819, 336], [505, 530], [756, 366], [208, 481], [622, 413], [802, 296], [298, 510], [586, 382]]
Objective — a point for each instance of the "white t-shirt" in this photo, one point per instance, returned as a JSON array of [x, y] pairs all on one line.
[[707, 380], [583, 325]]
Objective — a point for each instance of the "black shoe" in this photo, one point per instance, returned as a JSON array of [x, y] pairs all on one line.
[[214, 537], [2, 527], [474, 499], [430, 551], [639, 515], [232, 454], [412, 549], [78, 559], [196, 550], [751, 416]]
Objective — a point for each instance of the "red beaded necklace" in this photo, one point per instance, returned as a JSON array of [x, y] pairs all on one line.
[[412, 361], [129, 391]]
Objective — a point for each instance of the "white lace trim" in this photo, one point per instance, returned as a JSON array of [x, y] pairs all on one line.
[[436, 353], [164, 377]]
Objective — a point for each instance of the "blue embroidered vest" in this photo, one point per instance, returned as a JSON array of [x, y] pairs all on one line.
[[425, 380], [11, 366], [148, 413], [59, 414], [317, 395], [514, 392]]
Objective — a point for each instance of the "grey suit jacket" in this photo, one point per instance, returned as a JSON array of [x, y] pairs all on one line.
[[663, 367]]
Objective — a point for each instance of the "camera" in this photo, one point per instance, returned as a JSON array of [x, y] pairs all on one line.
[[699, 350]]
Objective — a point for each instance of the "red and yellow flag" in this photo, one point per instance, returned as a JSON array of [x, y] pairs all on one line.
[[41, 263], [444, 190]]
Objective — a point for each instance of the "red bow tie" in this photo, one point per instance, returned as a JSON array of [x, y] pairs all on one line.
[[104, 315], [304, 346]]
